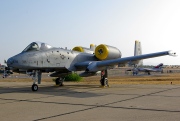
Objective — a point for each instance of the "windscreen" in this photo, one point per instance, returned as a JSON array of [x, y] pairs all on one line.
[[36, 46]]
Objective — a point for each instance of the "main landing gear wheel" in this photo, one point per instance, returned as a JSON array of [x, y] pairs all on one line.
[[59, 81], [104, 79], [34, 87], [104, 82]]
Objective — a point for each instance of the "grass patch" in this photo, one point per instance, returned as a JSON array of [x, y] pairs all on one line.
[[71, 77]]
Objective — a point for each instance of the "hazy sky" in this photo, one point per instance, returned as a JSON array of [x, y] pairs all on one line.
[[69, 23]]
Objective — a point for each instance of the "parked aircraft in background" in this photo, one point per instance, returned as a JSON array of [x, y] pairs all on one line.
[[157, 68], [41, 57]]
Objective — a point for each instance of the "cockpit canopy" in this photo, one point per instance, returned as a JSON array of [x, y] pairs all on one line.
[[36, 46]]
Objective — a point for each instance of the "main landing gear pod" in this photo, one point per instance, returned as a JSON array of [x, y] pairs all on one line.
[[106, 52]]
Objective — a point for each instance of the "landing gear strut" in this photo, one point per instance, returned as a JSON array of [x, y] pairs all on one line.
[[104, 79], [37, 79], [59, 81]]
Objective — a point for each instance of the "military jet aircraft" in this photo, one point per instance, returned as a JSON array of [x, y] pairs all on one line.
[[157, 68], [40, 57]]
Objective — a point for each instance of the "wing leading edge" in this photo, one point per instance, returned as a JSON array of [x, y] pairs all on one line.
[[93, 66]]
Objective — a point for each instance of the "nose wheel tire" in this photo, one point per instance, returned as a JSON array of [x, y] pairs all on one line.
[[34, 87]]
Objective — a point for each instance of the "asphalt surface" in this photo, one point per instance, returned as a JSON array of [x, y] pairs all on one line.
[[86, 102]]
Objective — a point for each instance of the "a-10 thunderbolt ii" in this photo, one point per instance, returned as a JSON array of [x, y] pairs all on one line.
[[41, 57]]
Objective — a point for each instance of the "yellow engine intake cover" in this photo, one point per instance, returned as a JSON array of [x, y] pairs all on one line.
[[101, 51], [78, 48]]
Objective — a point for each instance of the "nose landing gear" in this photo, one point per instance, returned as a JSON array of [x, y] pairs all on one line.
[[37, 79]]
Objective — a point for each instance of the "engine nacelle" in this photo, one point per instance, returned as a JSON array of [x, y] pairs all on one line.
[[84, 49], [106, 52]]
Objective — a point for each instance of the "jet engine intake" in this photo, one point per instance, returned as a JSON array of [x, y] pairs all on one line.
[[106, 52]]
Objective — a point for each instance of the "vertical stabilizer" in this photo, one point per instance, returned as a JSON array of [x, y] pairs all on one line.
[[138, 51], [159, 65], [137, 48]]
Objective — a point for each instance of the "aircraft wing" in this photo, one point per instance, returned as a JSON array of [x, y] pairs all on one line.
[[93, 66]]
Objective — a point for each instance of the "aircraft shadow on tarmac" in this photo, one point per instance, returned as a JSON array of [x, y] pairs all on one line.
[[78, 91]]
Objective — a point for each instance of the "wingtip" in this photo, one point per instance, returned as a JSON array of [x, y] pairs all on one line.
[[172, 53]]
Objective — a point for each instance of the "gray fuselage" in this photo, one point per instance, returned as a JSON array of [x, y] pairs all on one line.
[[54, 58]]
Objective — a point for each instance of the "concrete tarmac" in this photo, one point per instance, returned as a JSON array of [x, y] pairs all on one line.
[[87, 102]]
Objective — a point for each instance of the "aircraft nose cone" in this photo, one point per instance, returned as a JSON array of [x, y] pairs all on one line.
[[10, 61]]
